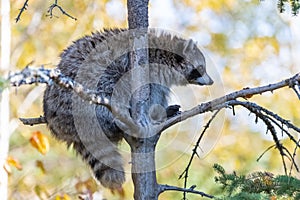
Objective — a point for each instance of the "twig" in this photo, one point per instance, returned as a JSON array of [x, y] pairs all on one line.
[[297, 90], [294, 155], [24, 7], [271, 116], [48, 76], [265, 151], [258, 111], [55, 5], [186, 171], [163, 188], [221, 102], [33, 121]]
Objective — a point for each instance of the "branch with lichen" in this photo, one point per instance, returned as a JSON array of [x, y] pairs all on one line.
[[50, 76]]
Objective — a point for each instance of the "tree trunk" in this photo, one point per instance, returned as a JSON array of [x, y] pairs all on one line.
[[143, 143], [143, 170]]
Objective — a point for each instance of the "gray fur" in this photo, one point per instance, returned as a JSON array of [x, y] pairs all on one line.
[[103, 64]]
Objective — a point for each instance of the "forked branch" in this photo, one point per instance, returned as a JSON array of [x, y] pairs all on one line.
[[56, 5], [50, 10], [270, 119]]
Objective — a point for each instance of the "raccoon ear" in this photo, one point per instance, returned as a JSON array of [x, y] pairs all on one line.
[[187, 47]]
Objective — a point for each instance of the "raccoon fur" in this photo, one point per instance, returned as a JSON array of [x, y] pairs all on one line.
[[101, 62]]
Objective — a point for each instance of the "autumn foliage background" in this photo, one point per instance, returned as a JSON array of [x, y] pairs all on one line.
[[247, 43]]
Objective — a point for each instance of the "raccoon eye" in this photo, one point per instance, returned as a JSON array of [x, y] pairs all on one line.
[[194, 74], [179, 59]]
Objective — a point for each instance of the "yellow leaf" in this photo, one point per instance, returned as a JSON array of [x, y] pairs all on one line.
[[88, 186], [40, 165], [14, 162], [119, 191], [40, 142], [63, 197]]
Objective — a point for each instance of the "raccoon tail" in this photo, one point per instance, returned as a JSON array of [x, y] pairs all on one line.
[[105, 162]]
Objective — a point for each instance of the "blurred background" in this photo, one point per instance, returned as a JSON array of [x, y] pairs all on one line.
[[247, 43]]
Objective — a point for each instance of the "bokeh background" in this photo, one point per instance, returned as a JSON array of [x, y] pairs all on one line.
[[247, 43]]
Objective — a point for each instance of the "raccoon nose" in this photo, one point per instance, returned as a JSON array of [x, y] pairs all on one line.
[[204, 80]]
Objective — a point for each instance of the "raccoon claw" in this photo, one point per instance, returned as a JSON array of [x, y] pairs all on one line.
[[173, 110]]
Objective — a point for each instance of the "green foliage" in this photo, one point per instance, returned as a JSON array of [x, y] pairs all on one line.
[[295, 6], [3, 83], [287, 186], [257, 185]]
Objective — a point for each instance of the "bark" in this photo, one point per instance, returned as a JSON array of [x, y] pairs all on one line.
[[144, 142]]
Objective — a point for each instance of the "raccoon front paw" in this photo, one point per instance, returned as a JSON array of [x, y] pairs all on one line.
[[173, 110]]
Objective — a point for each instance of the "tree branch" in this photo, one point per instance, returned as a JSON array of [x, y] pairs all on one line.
[[221, 102], [24, 7], [262, 114], [185, 173], [48, 76], [55, 5], [163, 188], [33, 121], [268, 117], [268, 114]]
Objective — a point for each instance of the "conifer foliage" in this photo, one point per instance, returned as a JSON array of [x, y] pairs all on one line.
[[257, 185]]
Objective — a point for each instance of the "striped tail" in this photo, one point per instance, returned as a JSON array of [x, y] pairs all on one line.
[[106, 163]]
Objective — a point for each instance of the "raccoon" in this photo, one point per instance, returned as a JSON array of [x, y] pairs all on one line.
[[102, 60]]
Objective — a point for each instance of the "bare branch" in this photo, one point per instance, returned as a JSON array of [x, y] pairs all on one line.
[[271, 116], [55, 5], [163, 188], [24, 7], [265, 151], [218, 103], [33, 121], [48, 76], [296, 89], [259, 112], [185, 173], [294, 155]]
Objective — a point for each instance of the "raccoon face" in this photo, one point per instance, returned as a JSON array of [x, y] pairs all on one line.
[[199, 76], [195, 70]]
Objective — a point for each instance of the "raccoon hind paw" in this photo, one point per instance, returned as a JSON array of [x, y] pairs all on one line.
[[110, 178]]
